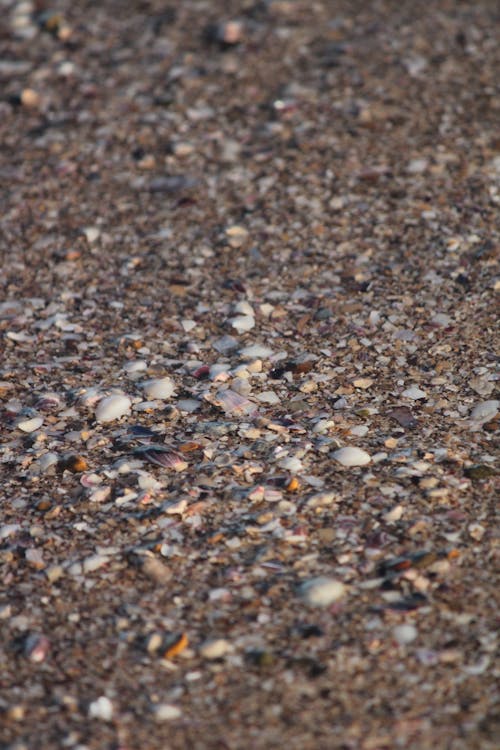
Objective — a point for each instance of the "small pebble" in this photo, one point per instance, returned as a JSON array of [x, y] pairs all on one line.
[[112, 407], [322, 591], [405, 634], [166, 712], [352, 456], [215, 648], [102, 709]]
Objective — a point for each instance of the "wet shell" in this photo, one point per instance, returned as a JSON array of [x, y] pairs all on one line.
[[160, 388], [321, 592], [112, 407], [162, 456], [352, 456], [231, 402]]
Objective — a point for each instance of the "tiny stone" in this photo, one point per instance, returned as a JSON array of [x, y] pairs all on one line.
[[102, 709], [322, 591], [167, 712], [352, 456], [405, 634], [215, 648], [112, 407]]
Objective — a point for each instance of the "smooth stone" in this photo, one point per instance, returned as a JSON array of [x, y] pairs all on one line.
[[486, 410], [112, 407], [414, 393], [159, 388], [322, 591], [405, 634], [215, 648], [352, 456], [167, 712], [102, 709]]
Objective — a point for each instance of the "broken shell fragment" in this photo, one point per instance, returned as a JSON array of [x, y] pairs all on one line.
[[112, 407]]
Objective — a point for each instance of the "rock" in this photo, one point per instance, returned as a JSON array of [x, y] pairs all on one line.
[[160, 388], [485, 411], [215, 648], [322, 591], [352, 456], [112, 407], [405, 634]]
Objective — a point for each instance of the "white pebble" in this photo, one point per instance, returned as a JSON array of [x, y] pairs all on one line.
[[215, 648], [322, 591], [94, 562], [352, 456], [268, 397], [91, 234], [112, 407], [243, 323], [405, 634], [486, 410], [102, 709], [414, 393], [159, 388], [30, 425], [167, 712]]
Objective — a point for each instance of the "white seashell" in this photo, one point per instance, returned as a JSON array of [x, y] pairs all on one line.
[[112, 407], [322, 591], [352, 456], [291, 463], [231, 402], [255, 351], [243, 323], [94, 562], [167, 712], [159, 388], [30, 425], [243, 308], [102, 709], [135, 365], [414, 393], [486, 410]]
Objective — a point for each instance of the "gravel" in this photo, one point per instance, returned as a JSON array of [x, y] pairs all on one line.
[[248, 382]]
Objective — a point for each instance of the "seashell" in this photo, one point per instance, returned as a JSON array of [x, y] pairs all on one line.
[[486, 410], [352, 456], [161, 455], [49, 402], [112, 407], [36, 647], [243, 323], [231, 402], [30, 425], [414, 393], [160, 388], [255, 351]]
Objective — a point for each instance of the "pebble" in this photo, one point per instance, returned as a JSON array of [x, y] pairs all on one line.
[[352, 456], [94, 562], [166, 712], [160, 388], [256, 351], [243, 323], [268, 397], [215, 648], [486, 410], [101, 708], [322, 591], [112, 407], [414, 393], [405, 634]]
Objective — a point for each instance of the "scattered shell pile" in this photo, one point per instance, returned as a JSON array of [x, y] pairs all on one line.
[[249, 402]]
